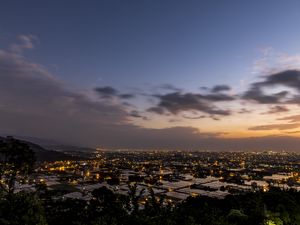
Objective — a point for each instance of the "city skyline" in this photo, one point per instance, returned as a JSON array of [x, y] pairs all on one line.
[[151, 74]]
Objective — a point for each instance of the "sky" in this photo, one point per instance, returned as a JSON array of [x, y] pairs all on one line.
[[176, 74]]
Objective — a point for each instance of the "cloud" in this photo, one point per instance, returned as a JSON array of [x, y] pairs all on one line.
[[158, 110], [276, 126], [291, 119], [256, 94], [175, 120], [244, 111], [188, 138], [217, 97], [34, 102], [289, 79], [277, 109], [106, 92], [137, 114], [25, 42], [170, 138], [293, 132], [126, 96], [194, 117], [220, 88], [110, 92], [177, 102]]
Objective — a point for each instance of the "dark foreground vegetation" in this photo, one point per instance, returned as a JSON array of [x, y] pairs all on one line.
[[43, 207], [275, 207]]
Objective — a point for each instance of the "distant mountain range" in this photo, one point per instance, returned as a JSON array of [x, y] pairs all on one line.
[[43, 154]]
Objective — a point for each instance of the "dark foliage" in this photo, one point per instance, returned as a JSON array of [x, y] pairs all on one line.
[[274, 207], [16, 160]]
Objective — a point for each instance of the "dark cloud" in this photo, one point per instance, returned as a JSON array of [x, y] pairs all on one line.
[[220, 88], [110, 92], [137, 114], [126, 96], [285, 79], [289, 78], [106, 92], [177, 102], [255, 93], [217, 97], [277, 109]]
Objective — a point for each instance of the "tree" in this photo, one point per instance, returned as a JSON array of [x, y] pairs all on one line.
[[66, 212], [103, 196], [236, 216], [22, 208], [155, 203], [134, 196], [16, 161]]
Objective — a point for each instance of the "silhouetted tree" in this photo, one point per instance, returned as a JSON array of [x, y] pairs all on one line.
[[16, 160], [22, 209], [134, 196]]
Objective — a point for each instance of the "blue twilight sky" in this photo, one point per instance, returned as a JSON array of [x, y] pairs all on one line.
[[130, 43], [137, 66]]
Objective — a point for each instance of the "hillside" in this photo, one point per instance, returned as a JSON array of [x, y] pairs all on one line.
[[43, 154]]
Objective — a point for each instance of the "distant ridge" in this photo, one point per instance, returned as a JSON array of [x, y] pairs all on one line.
[[53, 145], [43, 154]]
